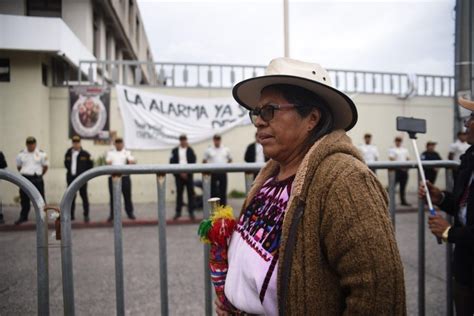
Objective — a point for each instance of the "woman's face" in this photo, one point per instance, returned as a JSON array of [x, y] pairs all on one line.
[[284, 136]]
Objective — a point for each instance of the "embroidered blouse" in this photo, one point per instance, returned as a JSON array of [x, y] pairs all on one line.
[[253, 251]]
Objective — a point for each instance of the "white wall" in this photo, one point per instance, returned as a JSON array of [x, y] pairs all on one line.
[[377, 115], [78, 15], [24, 105]]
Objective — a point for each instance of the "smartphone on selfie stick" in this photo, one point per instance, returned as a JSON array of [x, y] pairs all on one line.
[[413, 126]]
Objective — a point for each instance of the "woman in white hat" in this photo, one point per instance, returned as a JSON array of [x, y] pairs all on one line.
[[314, 236]]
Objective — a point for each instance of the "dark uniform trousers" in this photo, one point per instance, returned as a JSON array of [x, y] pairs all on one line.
[[219, 186], [25, 199], [180, 185], [401, 176], [127, 195], [82, 193]]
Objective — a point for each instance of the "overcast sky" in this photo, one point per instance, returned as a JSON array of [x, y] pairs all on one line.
[[409, 36]]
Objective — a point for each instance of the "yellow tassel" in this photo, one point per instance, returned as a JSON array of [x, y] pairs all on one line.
[[221, 212]]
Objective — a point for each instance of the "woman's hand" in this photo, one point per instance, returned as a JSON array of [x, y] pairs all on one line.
[[220, 308], [435, 193]]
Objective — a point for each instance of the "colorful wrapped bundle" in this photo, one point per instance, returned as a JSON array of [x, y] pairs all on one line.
[[216, 231]]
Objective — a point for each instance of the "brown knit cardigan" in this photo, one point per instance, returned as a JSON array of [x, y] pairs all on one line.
[[338, 254]]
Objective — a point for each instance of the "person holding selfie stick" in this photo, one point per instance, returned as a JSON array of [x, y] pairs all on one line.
[[413, 126], [460, 204]]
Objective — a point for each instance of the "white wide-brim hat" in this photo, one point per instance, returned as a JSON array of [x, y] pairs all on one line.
[[310, 76], [467, 104]]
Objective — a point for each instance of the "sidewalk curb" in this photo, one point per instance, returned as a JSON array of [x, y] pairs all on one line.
[[81, 225]]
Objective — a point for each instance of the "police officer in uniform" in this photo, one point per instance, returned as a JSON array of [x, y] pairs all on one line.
[[119, 156], [77, 161], [32, 163]]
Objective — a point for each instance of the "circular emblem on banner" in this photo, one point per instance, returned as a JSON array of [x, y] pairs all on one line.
[[88, 116]]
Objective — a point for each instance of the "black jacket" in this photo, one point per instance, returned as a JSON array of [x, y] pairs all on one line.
[[3, 162], [251, 154], [84, 162], [460, 235], [190, 155]]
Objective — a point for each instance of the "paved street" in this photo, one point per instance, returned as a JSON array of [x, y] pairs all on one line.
[[94, 279]]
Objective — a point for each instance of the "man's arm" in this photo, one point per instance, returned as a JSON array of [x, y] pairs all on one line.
[[173, 158], [18, 162], [229, 157], [248, 153], [3, 162], [193, 156]]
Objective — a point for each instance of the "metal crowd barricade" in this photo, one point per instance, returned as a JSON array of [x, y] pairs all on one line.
[[42, 273], [160, 171], [449, 166]]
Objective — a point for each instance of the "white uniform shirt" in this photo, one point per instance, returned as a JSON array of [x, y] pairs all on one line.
[[74, 155], [458, 148], [369, 152], [182, 155], [32, 163], [217, 154], [119, 158], [259, 156], [398, 154]]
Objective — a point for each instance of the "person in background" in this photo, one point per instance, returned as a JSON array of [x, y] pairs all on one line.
[[77, 160], [430, 154], [254, 153], [33, 164], [3, 162], [314, 236], [119, 156], [456, 149], [183, 155], [218, 154], [369, 151], [400, 153], [460, 204], [3, 165]]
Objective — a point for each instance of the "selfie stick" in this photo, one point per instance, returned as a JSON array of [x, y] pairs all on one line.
[[423, 179]]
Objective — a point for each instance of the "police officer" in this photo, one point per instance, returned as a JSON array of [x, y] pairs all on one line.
[[119, 156], [77, 161], [183, 154], [32, 164]]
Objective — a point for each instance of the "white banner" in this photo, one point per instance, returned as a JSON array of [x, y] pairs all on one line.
[[155, 121]]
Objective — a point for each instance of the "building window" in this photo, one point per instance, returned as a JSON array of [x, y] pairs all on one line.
[[130, 17], [96, 36], [44, 74], [47, 8], [4, 70], [138, 31]]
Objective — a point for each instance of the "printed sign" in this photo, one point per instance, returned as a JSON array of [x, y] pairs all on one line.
[[155, 121], [89, 112]]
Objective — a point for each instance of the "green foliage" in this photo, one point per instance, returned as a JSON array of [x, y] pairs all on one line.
[[235, 194], [100, 161]]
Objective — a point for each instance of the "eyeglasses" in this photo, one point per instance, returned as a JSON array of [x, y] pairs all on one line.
[[267, 112]]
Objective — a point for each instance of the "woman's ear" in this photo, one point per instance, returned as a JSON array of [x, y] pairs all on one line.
[[314, 118]]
